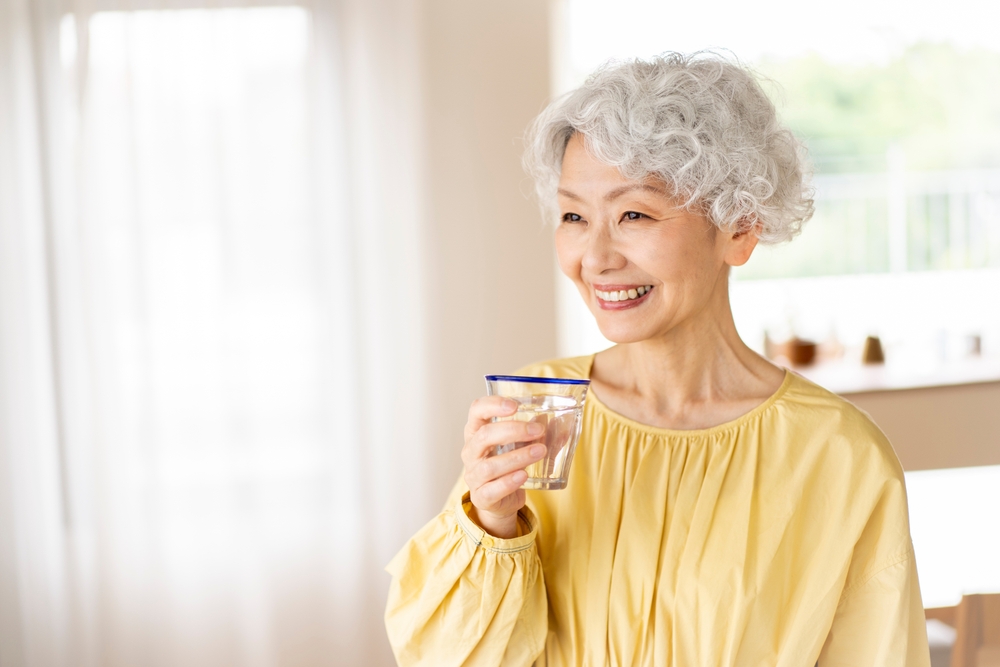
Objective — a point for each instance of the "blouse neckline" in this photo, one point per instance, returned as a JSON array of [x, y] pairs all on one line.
[[733, 424]]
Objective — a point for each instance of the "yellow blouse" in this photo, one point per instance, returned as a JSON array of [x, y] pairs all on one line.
[[779, 538]]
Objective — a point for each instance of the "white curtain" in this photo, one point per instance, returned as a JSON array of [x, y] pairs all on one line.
[[212, 432], [33, 577]]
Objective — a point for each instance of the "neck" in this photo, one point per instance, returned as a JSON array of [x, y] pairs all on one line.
[[701, 362]]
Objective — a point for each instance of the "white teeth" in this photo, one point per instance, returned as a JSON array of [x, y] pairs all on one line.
[[624, 295]]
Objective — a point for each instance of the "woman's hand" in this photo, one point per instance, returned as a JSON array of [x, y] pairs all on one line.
[[495, 481]]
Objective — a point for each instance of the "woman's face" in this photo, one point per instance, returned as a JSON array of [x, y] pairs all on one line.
[[643, 266]]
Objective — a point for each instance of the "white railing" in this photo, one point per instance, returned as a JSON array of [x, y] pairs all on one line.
[[908, 220]]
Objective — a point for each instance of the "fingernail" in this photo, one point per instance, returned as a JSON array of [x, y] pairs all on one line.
[[509, 404], [535, 429], [537, 451]]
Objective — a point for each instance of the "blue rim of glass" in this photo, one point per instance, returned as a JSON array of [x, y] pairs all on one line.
[[525, 378]]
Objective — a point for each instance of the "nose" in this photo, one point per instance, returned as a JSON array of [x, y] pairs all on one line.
[[601, 253]]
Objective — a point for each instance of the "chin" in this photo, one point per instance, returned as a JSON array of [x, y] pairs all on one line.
[[622, 335]]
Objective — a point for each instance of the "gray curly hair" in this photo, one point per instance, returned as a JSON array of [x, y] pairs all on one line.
[[700, 123]]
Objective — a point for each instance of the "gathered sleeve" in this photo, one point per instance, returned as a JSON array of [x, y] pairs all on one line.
[[460, 596], [880, 620]]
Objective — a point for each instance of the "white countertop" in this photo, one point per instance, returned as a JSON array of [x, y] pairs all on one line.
[[851, 377]]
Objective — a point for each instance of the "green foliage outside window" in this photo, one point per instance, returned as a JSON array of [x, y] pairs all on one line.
[[936, 109], [940, 104]]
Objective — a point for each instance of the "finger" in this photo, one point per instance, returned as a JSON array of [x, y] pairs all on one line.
[[482, 443], [496, 467], [484, 409], [490, 497], [501, 433]]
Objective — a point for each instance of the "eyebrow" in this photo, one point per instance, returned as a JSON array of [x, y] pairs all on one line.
[[617, 192]]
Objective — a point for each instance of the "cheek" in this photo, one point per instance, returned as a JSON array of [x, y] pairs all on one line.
[[657, 256], [567, 253], [672, 260]]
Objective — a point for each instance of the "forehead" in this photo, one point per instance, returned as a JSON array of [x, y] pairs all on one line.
[[578, 162], [584, 176]]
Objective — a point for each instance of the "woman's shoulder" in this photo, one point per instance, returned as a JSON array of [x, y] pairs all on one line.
[[851, 480], [819, 415], [572, 368]]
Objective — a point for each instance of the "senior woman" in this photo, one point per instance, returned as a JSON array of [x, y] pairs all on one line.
[[720, 510]]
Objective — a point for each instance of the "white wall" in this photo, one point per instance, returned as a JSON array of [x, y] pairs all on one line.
[[487, 74]]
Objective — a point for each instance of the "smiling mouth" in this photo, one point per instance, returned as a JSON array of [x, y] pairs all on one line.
[[630, 294]]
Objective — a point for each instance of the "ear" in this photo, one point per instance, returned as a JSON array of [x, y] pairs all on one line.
[[740, 245]]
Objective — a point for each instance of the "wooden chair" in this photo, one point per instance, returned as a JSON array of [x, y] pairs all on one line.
[[976, 620]]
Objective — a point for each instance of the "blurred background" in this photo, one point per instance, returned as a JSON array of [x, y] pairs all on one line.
[[255, 257]]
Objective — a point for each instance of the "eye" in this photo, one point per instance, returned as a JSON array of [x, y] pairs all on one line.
[[632, 215], [571, 217]]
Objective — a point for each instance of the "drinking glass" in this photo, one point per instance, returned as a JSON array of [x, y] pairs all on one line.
[[556, 404]]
